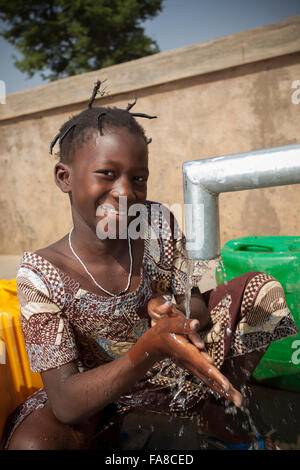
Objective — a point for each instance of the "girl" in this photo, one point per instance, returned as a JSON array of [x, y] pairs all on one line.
[[88, 299]]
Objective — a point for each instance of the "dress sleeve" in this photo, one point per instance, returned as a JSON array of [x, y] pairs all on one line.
[[48, 335]]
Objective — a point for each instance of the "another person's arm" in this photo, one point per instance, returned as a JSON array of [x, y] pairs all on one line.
[[198, 308]]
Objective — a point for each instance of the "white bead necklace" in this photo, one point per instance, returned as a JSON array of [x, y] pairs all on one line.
[[95, 282]]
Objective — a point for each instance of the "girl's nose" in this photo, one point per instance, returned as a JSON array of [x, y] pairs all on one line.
[[123, 187]]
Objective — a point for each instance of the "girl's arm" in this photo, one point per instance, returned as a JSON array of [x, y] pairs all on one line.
[[76, 396]]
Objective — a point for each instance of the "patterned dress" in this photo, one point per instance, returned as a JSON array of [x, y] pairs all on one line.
[[62, 322]]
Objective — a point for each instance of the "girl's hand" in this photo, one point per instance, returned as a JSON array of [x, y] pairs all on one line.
[[159, 308], [168, 339]]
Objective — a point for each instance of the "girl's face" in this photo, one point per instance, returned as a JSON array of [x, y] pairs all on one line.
[[105, 171]]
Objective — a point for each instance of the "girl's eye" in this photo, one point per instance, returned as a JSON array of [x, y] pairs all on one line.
[[105, 172], [141, 179]]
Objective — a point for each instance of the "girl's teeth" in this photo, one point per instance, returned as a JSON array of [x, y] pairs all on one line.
[[111, 209]]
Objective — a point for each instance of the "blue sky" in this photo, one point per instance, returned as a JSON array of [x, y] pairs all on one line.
[[181, 23]]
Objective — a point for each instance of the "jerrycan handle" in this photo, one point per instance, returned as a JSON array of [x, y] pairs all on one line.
[[252, 247]]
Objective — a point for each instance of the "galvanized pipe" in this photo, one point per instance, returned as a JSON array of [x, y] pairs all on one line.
[[204, 180]]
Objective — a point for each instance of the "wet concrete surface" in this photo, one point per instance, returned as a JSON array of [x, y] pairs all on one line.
[[273, 411], [278, 410]]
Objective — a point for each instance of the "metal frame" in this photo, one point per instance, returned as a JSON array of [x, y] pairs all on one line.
[[204, 180]]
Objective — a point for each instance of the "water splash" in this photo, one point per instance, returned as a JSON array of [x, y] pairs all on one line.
[[230, 408], [181, 431], [249, 424], [253, 430], [194, 268], [220, 268], [188, 288]]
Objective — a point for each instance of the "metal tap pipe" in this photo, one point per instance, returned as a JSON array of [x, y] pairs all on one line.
[[204, 180]]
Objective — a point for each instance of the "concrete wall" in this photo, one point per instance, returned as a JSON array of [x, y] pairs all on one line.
[[224, 96]]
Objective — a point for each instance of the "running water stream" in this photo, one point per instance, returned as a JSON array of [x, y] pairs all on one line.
[[200, 268], [194, 268]]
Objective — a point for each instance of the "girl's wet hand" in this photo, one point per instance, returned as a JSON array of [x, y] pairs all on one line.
[[168, 338], [159, 308], [202, 366]]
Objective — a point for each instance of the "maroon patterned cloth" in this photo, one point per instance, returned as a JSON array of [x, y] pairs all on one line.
[[62, 322]]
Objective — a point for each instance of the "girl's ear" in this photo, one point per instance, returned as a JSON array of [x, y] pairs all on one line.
[[62, 175]]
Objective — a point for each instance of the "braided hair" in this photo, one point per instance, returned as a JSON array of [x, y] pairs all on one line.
[[81, 127]]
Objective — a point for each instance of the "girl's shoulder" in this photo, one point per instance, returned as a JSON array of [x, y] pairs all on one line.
[[44, 262], [40, 272], [54, 253]]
